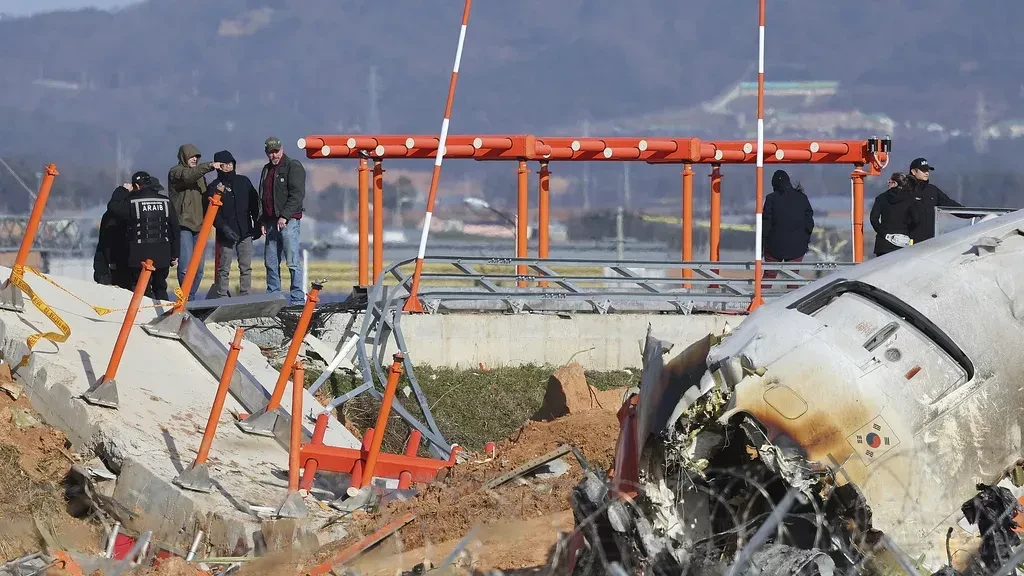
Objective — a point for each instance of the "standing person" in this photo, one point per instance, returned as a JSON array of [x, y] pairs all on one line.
[[110, 263], [927, 196], [237, 224], [187, 183], [152, 231], [894, 215], [788, 222], [283, 189]]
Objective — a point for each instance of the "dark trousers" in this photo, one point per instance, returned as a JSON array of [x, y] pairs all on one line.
[[157, 283], [772, 274]]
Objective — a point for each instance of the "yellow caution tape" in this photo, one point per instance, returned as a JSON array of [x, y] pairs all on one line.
[[100, 310], [18, 280]]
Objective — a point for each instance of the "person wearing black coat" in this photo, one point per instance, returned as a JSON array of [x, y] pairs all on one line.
[[237, 224], [927, 196], [110, 263], [893, 215], [152, 232], [787, 222]]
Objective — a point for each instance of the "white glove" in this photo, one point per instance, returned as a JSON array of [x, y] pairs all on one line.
[[901, 240]]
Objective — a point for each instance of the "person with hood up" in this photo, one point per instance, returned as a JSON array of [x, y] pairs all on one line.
[[187, 184], [237, 224], [893, 216], [110, 263], [788, 221], [927, 196], [152, 232]]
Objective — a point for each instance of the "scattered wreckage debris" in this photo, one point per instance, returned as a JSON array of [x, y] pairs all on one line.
[[705, 489]]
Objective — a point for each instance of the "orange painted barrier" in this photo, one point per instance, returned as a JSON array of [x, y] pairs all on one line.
[[193, 263], [382, 419], [104, 392], [293, 505], [197, 477]]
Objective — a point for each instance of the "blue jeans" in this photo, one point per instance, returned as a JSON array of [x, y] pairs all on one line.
[[188, 245], [285, 243]]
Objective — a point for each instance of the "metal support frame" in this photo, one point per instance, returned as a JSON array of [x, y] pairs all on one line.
[[196, 478], [167, 325], [102, 393], [11, 298]]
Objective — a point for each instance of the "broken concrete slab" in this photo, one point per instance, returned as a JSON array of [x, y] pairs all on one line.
[[166, 395]]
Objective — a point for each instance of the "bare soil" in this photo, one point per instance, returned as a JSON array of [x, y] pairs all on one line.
[[34, 460], [524, 517]]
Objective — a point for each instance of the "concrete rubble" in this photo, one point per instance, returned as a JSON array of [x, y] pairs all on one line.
[[165, 399]]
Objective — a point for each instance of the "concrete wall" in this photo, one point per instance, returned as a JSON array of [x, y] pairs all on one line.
[[599, 342]]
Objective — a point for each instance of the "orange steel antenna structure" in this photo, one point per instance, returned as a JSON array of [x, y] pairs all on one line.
[[867, 156], [758, 203], [413, 303]]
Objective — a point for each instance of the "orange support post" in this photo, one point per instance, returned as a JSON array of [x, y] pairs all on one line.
[[37, 216], [857, 177], [412, 447], [364, 221], [543, 214], [356, 478], [104, 392], [197, 477], [715, 228], [293, 506], [263, 422], [347, 554], [309, 467], [295, 440], [687, 220], [378, 219], [382, 419], [201, 239], [522, 218]]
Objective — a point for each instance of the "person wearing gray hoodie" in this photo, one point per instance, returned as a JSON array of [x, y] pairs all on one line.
[[186, 182]]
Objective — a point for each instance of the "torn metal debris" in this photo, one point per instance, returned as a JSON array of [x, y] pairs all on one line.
[[879, 400]]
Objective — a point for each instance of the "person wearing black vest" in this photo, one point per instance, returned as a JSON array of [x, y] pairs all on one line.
[[153, 232]]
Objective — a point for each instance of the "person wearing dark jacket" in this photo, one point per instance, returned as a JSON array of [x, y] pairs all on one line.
[[927, 196], [153, 232], [893, 216], [787, 222], [237, 224], [186, 183], [282, 192], [110, 263]]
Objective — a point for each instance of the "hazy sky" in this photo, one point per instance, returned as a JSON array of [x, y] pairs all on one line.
[[26, 7]]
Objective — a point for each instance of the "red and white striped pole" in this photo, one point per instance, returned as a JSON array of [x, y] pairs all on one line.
[[758, 248], [413, 303]]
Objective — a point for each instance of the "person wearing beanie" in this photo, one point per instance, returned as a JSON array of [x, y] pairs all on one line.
[[788, 222], [237, 224]]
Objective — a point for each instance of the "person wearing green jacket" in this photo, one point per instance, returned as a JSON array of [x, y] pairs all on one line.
[[187, 186]]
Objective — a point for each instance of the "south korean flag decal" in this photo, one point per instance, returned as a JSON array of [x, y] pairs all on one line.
[[873, 441]]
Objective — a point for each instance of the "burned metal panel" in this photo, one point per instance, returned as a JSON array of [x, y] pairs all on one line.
[[667, 382]]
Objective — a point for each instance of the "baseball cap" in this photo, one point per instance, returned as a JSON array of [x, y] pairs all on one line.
[[921, 164], [144, 180], [272, 144]]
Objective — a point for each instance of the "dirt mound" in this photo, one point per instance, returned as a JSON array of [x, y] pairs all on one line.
[[569, 393], [449, 511], [173, 566], [34, 461]]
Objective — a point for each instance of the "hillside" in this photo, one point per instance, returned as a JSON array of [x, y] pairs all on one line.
[[228, 73]]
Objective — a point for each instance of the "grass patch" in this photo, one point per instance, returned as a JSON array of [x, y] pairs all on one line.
[[471, 407]]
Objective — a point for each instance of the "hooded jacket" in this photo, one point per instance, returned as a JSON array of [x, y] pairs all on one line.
[[788, 219], [187, 188], [111, 258], [239, 215], [927, 196], [894, 212]]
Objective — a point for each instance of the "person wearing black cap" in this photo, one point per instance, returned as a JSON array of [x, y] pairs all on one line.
[[237, 224], [787, 223], [282, 190], [153, 232], [927, 196]]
